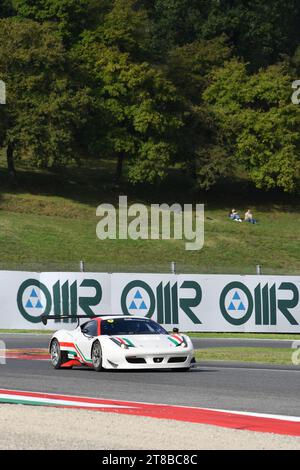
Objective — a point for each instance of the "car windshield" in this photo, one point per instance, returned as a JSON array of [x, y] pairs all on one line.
[[131, 326]]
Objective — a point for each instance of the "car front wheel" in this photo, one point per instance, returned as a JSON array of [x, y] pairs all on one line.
[[55, 352]]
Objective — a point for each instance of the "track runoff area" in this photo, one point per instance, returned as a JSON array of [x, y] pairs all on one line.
[[21, 371]]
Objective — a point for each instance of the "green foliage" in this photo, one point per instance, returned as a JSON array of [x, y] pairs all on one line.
[[262, 125], [174, 23], [189, 66], [199, 83], [259, 31], [127, 28], [199, 141], [6, 8], [70, 16], [43, 111], [138, 107]]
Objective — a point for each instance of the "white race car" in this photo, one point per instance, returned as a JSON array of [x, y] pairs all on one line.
[[121, 342]]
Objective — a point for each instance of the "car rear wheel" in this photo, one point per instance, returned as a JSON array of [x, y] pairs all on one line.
[[56, 356], [97, 356]]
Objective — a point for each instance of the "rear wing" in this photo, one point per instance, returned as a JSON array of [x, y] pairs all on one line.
[[45, 318]]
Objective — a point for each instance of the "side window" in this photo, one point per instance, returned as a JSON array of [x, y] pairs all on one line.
[[90, 328]]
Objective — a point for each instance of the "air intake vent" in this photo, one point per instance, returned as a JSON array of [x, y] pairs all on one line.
[[136, 360], [174, 360]]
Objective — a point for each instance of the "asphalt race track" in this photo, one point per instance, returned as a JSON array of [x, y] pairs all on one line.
[[240, 387], [41, 341]]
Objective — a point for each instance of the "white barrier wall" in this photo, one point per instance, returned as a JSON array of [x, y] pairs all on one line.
[[216, 303]]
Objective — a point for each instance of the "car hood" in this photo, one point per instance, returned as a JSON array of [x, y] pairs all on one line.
[[153, 341]]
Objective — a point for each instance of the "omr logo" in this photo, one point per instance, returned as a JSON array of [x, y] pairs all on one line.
[[166, 300], [138, 298], [34, 300], [238, 303]]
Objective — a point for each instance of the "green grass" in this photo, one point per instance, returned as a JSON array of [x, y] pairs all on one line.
[[278, 356], [192, 335], [33, 238], [40, 332], [49, 223]]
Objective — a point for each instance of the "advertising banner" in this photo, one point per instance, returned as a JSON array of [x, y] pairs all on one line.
[[208, 303], [216, 303], [25, 297]]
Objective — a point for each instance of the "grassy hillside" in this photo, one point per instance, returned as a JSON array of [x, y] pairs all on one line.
[[49, 222]]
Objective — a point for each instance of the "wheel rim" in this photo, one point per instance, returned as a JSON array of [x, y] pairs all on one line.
[[97, 356], [54, 353]]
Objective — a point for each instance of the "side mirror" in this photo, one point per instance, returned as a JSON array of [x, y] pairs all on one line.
[[175, 330]]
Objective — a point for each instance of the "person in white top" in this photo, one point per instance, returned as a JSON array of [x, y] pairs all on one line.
[[249, 217]]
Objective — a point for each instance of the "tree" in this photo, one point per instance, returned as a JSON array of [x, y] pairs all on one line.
[[71, 17], [139, 110], [126, 26], [190, 66], [44, 111], [174, 23], [259, 31], [259, 121], [6, 8], [199, 141]]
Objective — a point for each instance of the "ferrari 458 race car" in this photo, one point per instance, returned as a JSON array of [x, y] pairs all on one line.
[[121, 342]]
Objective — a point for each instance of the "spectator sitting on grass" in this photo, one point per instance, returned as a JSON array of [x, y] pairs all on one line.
[[235, 216], [249, 217]]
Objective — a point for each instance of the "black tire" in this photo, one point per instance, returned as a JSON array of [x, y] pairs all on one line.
[[97, 356], [56, 355]]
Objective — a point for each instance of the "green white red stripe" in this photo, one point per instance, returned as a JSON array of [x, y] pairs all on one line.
[[176, 339], [119, 341]]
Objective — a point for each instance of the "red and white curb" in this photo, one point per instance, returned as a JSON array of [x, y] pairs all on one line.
[[276, 424]]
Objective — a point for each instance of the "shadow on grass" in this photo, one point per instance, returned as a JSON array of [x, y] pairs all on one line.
[[93, 183]]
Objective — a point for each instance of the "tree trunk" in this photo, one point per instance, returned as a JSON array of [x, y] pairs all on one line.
[[119, 168], [10, 162]]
